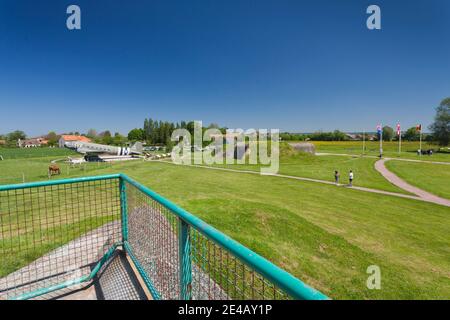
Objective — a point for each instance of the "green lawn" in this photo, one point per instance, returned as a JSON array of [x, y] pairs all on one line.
[[20, 153], [324, 235], [434, 178], [390, 149], [323, 167], [26, 169]]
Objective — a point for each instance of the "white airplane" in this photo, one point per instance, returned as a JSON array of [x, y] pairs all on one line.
[[95, 148]]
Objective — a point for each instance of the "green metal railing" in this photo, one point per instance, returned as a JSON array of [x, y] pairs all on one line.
[[61, 233]]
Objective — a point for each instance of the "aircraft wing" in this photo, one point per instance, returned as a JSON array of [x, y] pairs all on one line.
[[87, 150]]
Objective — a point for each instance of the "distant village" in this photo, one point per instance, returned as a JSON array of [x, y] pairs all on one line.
[[43, 141]]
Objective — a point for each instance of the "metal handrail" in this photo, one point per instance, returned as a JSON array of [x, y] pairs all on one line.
[[287, 282]]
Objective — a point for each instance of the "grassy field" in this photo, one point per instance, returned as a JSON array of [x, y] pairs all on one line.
[[390, 149], [324, 235], [323, 167], [291, 163], [434, 178], [27, 170], [21, 153]]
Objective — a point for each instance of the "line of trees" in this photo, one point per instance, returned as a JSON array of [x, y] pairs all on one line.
[[11, 138], [441, 125], [105, 137], [440, 130], [389, 134], [335, 135], [159, 132]]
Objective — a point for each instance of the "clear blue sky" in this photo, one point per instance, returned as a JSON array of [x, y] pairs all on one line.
[[295, 65]]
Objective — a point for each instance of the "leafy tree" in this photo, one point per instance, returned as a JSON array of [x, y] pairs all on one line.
[[213, 126], [286, 136], [155, 132], [411, 134], [169, 145], [388, 133], [52, 138], [441, 126], [106, 137], [336, 135], [146, 129], [136, 134], [92, 133], [190, 126], [12, 137], [118, 139]]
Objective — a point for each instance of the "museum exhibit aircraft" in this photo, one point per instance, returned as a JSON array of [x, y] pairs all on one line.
[[99, 152]]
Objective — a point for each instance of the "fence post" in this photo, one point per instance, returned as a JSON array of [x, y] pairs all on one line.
[[123, 209], [184, 254]]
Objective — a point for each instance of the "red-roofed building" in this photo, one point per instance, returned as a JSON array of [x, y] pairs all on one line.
[[71, 138]]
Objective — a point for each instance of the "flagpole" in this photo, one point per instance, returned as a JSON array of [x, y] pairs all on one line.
[[364, 142], [399, 143], [420, 139], [381, 140]]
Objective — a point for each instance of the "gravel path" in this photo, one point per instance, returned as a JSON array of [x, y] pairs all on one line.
[[388, 193], [394, 179], [377, 157]]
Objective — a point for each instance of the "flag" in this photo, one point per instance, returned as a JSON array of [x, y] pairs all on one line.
[[379, 129], [419, 128], [398, 129]]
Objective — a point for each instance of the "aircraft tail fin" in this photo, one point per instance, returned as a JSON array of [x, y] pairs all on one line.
[[137, 147]]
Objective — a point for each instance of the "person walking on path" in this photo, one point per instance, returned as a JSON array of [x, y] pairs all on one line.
[[350, 178], [336, 177]]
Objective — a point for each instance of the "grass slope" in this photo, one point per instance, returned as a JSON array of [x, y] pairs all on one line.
[[322, 167], [434, 178]]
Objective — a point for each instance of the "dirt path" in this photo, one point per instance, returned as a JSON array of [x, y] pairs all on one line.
[[400, 195], [394, 179]]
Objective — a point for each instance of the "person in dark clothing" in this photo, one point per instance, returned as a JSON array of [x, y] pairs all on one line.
[[336, 177]]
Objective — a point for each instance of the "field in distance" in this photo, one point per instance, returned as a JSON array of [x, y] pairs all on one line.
[[390, 149]]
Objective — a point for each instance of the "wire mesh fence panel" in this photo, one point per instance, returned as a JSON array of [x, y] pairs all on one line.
[[214, 272], [52, 234], [153, 240], [219, 275], [64, 233]]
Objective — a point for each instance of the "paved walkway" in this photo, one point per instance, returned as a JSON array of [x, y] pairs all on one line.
[[386, 158], [394, 179], [400, 195]]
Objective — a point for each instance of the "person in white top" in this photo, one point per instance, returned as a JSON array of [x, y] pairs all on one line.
[[350, 178]]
